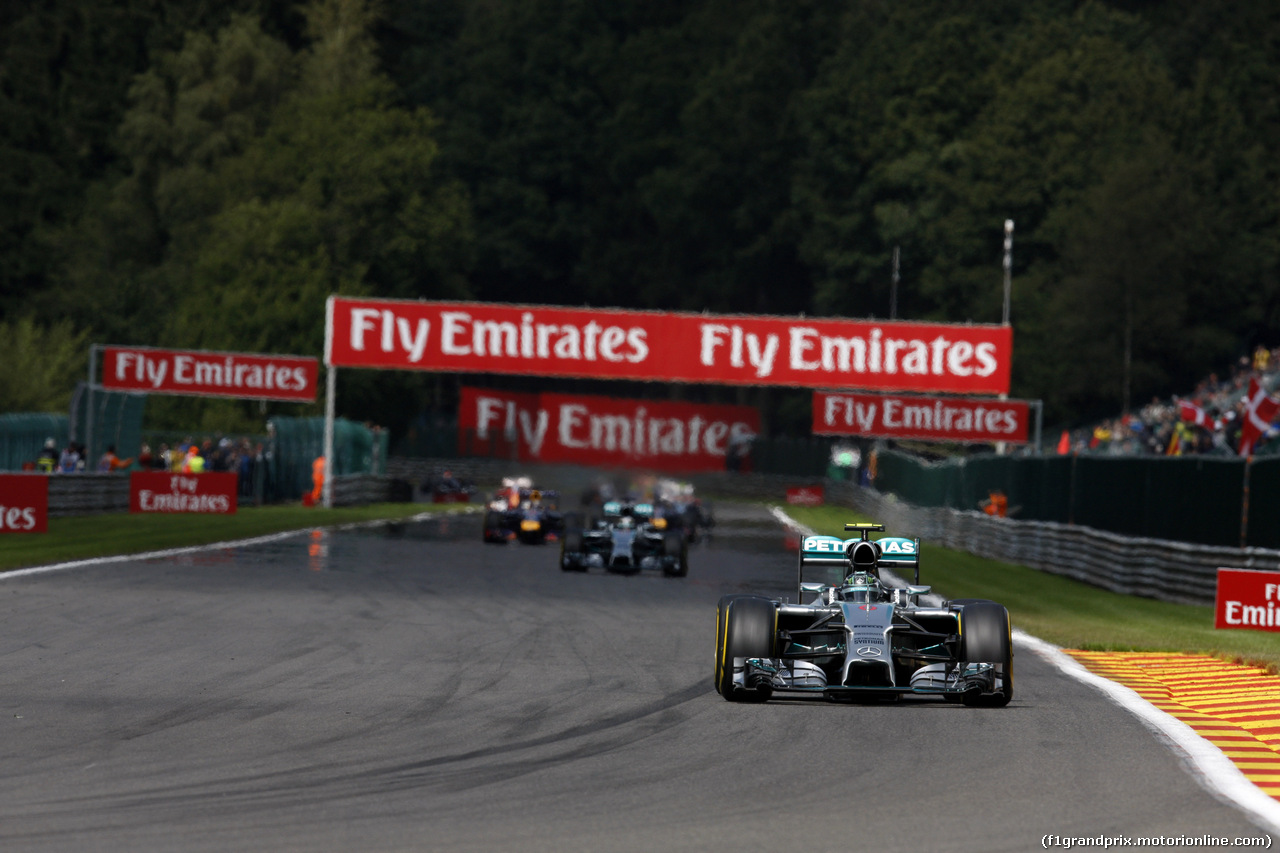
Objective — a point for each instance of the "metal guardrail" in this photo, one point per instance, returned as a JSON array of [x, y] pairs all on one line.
[[1151, 568], [96, 493], [87, 493]]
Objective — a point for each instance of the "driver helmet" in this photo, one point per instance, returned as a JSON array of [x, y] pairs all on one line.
[[860, 587], [626, 522]]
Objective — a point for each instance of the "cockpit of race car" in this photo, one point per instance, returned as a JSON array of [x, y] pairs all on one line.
[[861, 632]]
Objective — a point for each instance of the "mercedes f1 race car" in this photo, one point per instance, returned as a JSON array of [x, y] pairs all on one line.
[[858, 637], [627, 539]]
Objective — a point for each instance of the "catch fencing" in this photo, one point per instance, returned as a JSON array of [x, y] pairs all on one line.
[[23, 435], [1205, 500]]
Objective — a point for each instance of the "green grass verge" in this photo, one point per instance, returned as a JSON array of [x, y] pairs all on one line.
[[1066, 612], [86, 536]]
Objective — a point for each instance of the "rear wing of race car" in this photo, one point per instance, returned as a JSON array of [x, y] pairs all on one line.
[[614, 509], [899, 556], [896, 553]]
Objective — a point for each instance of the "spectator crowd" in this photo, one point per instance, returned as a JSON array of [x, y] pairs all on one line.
[[188, 456], [1210, 420]]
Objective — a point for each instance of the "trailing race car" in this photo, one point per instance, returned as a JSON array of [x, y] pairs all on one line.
[[520, 512], [858, 637], [676, 504], [444, 488], [627, 539]]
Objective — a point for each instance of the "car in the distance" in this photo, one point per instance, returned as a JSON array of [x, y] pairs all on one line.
[[627, 539], [520, 512]]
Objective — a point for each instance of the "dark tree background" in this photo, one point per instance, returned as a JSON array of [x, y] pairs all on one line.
[[203, 174]]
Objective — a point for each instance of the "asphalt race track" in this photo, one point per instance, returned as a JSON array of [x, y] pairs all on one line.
[[415, 689]]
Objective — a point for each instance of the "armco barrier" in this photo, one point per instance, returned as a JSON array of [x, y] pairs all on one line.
[[93, 494], [88, 494]]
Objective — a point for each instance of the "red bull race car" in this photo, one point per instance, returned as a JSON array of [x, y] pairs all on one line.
[[521, 513]]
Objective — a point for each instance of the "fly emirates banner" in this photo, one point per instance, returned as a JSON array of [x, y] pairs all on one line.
[[537, 340], [606, 431], [210, 374]]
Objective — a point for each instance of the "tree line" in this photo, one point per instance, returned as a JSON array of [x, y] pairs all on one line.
[[203, 175]]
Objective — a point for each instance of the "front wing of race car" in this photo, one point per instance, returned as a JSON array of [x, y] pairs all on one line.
[[625, 551]]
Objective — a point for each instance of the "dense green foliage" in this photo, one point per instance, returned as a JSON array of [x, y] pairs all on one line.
[[42, 364], [203, 175]]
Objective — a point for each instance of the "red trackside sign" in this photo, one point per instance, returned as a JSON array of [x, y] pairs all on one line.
[[540, 340], [935, 418], [806, 495], [211, 374], [24, 503], [211, 492], [1247, 599], [608, 431]]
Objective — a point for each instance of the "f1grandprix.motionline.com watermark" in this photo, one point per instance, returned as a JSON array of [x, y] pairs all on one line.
[[1108, 841]]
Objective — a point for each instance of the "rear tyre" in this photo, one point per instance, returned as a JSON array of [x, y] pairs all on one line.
[[571, 545], [494, 527], [745, 629], [985, 638], [689, 520], [674, 545]]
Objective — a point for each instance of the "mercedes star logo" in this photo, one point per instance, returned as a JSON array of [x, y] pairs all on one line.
[[869, 651]]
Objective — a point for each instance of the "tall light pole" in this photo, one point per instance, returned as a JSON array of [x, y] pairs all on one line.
[[1008, 266], [893, 290], [1008, 288]]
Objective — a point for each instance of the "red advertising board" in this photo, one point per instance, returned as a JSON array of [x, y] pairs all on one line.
[[211, 492], [605, 431], [936, 418], [210, 374], [24, 503], [539, 340], [1247, 599], [806, 495]]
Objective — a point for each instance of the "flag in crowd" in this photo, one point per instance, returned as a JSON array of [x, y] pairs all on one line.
[[1192, 413], [1260, 409]]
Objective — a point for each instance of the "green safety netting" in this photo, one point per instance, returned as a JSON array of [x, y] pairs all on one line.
[[293, 444], [22, 437]]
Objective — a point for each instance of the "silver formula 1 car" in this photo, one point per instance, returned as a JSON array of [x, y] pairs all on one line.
[[629, 537], [856, 636]]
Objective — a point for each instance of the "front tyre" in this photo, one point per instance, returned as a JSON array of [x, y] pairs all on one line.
[[985, 638], [745, 628]]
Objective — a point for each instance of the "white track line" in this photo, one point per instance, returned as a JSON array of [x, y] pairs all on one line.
[[193, 549], [1207, 764]]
